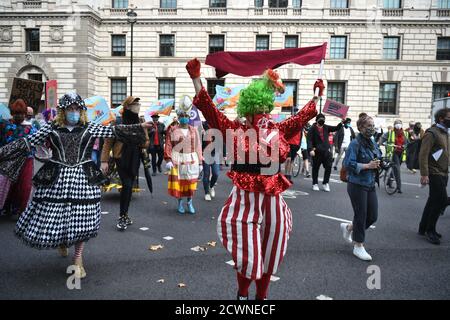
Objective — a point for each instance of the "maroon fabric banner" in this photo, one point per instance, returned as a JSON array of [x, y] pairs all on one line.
[[254, 63]]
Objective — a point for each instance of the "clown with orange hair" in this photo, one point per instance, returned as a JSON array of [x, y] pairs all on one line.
[[14, 196], [255, 222]]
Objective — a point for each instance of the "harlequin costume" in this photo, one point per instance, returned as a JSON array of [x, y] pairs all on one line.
[[14, 196], [255, 222], [65, 209]]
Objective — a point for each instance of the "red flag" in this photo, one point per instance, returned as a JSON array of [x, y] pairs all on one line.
[[256, 62]]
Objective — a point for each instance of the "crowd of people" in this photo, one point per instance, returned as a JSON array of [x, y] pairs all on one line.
[[255, 222]]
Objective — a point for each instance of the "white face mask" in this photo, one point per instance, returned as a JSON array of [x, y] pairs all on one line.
[[398, 126]]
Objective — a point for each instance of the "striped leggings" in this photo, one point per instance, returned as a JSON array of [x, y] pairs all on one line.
[[254, 228]]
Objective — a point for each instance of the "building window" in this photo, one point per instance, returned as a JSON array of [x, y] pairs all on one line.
[[296, 4], [262, 43], [167, 45], [259, 3], [294, 85], [120, 4], [118, 91], [339, 4], [211, 86], [391, 48], [338, 47], [166, 89], [32, 40], [35, 76], [278, 3], [168, 4], [443, 48], [291, 42], [336, 91], [217, 3], [444, 4], [216, 43], [392, 4], [440, 90], [387, 103], [118, 44]]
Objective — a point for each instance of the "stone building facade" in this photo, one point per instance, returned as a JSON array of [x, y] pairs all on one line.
[[385, 57]]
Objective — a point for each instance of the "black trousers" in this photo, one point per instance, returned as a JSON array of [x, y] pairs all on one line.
[[365, 207], [156, 152], [319, 159], [126, 192], [436, 203], [397, 159]]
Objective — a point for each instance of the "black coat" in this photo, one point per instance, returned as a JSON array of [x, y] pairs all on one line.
[[314, 140], [161, 135], [339, 137]]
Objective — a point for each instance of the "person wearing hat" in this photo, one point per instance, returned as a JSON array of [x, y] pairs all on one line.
[[342, 140], [183, 156], [14, 196], [319, 149], [65, 209], [156, 147], [255, 222], [127, 158]]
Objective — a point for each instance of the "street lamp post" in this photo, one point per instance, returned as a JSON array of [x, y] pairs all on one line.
[[132, 17]]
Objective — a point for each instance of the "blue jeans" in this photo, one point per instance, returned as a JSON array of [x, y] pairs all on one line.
[[210, 170]]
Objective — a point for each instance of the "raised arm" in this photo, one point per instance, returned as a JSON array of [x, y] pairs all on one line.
[[290, 127], [203, 101]]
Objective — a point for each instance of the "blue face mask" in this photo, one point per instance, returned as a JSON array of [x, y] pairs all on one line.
[[184, 121], [72, 117], [347, 125]]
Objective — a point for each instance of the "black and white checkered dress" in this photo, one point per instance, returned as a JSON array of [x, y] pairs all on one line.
[[67, 211]]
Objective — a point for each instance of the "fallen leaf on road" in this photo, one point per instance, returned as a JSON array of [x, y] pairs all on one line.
[[199, 248], [181, 285], [212, 243], [160, 281], [155, 247]]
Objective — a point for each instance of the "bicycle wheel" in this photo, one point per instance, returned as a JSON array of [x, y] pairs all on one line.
[[390, 184], [296, 165]]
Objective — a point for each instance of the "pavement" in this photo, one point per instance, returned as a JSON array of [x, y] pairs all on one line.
[[318, 264]]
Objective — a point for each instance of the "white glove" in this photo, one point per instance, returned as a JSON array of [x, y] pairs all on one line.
[[169, 165]]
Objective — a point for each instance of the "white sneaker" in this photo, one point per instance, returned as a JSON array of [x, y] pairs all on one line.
[[326, 187], [361, 253], [207, 197], [345, 233], [316, 187], [212, 192]]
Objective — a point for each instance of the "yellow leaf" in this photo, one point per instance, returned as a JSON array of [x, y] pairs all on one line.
[[155, 247], [212, 243]]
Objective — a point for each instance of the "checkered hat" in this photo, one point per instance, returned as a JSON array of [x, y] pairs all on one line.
[[71, 98]]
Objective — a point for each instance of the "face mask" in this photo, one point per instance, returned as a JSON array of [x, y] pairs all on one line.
[[184, 121], [347, 125], [447, 123], [73, 117], [369, 132], [398, 126], [321, 122]]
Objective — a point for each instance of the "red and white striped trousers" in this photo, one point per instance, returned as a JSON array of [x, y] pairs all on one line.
[[254, 227]]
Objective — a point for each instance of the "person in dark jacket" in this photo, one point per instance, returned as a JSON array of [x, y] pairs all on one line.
[[156, 148], [319, 149], [342, 140]]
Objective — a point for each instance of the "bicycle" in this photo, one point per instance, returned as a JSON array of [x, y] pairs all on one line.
[[386, 174], [297, 164]]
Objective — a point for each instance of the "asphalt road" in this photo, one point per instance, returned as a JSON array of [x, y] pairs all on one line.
[[318, 262]]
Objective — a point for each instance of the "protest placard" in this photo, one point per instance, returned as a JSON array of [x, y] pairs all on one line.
[[51, 94], [28, 90], [335, 109]]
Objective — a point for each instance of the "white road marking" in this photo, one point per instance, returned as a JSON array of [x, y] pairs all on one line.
[[143, 228], [105, 212], [337, 219], [168, 238], [323, 297]]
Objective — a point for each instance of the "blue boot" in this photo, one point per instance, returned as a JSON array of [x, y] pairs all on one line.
[[180, 206], [190, 206]]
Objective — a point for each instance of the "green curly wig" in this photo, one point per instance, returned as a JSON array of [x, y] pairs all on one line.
[[258, 97]]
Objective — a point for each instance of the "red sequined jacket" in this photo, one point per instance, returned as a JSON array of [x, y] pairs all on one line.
[[255, 182]]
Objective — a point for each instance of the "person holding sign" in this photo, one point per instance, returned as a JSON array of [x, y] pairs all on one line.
[[319, 149], [255, 222], [65, 209], [14, 196]]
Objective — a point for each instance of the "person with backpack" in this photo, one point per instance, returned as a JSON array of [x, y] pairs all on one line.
[[362, 161], [434, 162]]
